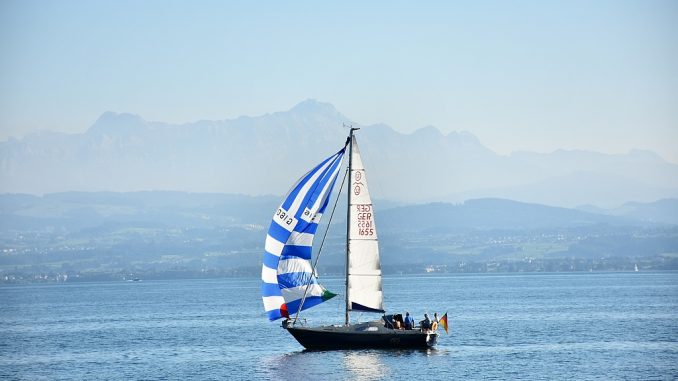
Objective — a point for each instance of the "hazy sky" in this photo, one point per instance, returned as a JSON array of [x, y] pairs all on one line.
[[525, 75]]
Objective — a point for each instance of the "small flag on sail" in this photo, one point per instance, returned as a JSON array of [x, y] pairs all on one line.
[[443, 322]]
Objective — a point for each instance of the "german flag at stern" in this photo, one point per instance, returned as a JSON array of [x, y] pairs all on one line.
[[443, 322]]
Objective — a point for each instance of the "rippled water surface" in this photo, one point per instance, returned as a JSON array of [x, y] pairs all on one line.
[[535, 326]]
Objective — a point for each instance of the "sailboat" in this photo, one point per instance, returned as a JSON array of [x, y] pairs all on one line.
[[289, 279]]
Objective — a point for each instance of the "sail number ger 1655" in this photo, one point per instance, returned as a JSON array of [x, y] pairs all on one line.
[[365, 221]]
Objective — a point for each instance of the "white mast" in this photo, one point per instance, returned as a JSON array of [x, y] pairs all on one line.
[[348, 219]]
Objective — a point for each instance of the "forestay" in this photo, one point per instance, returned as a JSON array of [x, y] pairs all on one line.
[[364, 268], [287, 272]]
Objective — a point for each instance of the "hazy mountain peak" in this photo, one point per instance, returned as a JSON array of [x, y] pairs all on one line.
[[313, 106], [648, 155], [464, 137], [428, 131], [113, 123]]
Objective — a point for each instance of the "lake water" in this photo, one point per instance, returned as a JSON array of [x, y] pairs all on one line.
[[528, 326]]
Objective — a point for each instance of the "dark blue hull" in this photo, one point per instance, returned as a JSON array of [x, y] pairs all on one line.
[[366, 335]]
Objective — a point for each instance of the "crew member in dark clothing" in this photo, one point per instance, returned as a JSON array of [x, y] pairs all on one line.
[[426, 323]]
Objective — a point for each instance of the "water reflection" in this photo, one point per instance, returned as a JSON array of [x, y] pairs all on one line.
[[282, 366], [299, 365], [365, 365]]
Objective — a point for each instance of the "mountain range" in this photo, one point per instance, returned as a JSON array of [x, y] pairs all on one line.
[[75, 211], [154, 233], [265, 154]]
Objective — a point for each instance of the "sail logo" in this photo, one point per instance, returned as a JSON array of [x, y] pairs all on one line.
[[357, 184], [283, 216], [285, 219], [309, 216]]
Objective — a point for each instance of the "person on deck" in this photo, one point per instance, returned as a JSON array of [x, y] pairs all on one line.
[[426, 323], [409, 321], [434, 325]]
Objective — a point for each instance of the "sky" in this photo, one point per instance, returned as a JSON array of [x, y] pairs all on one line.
[[520, 75]]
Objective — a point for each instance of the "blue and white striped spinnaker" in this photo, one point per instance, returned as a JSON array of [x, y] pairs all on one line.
[[287, 270]]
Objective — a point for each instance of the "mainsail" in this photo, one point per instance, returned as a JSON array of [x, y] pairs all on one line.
[[364, 269], [287, 273]]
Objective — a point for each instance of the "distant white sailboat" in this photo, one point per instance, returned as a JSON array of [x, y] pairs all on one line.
[[635, 267]]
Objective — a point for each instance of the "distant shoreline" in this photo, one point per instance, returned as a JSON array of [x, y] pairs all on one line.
[[619, 265]]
